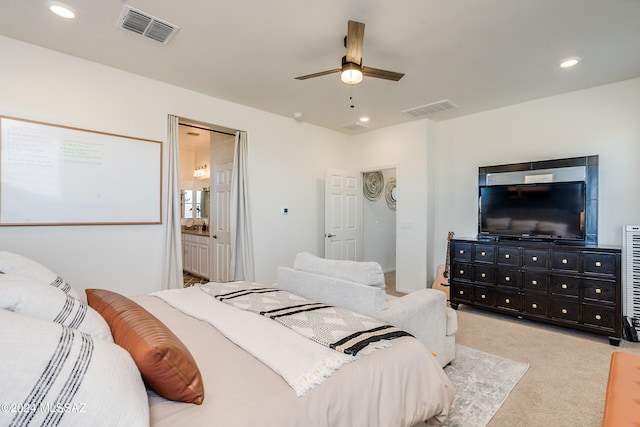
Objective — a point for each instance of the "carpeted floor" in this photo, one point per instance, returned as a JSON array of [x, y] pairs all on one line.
[[567, 378]]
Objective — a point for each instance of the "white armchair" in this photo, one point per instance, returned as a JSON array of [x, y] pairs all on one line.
[[423, 313]]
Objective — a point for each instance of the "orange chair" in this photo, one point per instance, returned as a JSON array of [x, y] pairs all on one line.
[[622, 404]]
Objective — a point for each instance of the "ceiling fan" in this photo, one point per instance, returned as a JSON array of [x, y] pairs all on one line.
[[352, 70]]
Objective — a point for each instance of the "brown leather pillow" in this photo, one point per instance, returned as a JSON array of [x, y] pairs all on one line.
[[165, 363]]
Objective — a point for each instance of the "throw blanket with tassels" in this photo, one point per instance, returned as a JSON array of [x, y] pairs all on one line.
[[334, 327]]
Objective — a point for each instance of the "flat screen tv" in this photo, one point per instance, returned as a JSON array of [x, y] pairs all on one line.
[[547, 211]]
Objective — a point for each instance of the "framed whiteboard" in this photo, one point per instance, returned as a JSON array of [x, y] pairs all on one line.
[[59, 175]]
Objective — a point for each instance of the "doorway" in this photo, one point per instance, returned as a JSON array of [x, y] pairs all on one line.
[[379, 220], [206, 160]]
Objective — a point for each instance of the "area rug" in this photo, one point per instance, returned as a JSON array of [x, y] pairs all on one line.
[[483, 382]]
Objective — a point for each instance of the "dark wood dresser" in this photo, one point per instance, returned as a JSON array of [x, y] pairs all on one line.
[[567, 285]]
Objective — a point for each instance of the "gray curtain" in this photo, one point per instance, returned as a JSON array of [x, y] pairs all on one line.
[[172, 256], [242, 267]]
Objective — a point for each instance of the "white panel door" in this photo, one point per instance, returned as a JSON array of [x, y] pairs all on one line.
[[220, 230], [342, 215]]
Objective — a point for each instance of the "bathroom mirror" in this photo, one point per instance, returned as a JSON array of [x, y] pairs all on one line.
[[195, 203]]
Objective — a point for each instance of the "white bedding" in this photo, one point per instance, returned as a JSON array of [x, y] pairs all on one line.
[[398, 386], [301, 362]]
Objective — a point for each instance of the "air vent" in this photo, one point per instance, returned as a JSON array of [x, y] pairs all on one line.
[[434, 107], [354, 126], [146, 25]]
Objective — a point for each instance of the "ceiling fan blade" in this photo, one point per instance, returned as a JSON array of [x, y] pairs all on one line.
[[321, 73], [381, 74], [355, 39]]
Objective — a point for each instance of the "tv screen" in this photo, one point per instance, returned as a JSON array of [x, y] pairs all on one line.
[[552, 211]]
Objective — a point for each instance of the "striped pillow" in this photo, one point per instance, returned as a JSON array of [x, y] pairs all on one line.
[[28, 297], [53, 375], [11, 263]]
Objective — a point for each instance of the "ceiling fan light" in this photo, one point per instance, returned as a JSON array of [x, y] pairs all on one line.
[[351, 73]]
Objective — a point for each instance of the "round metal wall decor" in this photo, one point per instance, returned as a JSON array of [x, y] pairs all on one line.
[[372, 185], [391, 194]]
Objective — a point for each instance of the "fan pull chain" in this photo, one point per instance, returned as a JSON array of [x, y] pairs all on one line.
[[351, 103]]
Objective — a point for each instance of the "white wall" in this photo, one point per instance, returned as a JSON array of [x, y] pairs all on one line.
[[287, 161], [436, 165], [405, 148], [600, 121]]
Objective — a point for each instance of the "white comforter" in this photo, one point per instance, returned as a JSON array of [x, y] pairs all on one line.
[[398, 386], [301, 362]]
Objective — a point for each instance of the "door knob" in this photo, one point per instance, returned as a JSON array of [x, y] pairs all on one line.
[[215, 236], [331, 235]]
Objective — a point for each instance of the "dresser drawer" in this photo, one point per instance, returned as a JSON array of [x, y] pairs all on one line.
[[565, 285], [599, 290], [509, 277], [536, 304], [535, 281], [484, 253], [561, 260], [484, 274], [461, 251], [598, 263], [484, 295], [565, 309], [462, 292], [602, 317], [509, 256], [508, 299], [535, 258], [461, 271]]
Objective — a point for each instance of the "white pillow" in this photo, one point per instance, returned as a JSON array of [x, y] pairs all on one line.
[[53, 375], [26, 296], [367, 273], [11, 263]]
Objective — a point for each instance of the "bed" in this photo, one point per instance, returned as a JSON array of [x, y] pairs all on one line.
[[401, 385]]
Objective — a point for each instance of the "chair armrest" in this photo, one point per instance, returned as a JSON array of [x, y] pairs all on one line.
[[421, 313]]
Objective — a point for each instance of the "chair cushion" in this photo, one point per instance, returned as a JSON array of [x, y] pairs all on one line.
[[366, 273]]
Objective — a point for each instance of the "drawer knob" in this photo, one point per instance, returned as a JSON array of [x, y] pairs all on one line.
[[534, 282], [598, 264], [565, 261], [598, 317], [461, 272], [461, 292], [564, 311], [598, 291], [461, 251], [534, 259], [507, 279], [483, 296], [507, 256], [483, 253], [534, 305], [483, 275], [508, 301], [564, 286]]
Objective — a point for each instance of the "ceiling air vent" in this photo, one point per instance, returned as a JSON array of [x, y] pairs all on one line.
[[354, 126], [434, 107], [146, 25]]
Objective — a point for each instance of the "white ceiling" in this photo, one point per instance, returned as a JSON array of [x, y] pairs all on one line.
[[479, 54]]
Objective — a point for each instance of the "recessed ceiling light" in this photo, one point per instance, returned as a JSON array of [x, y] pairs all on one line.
[[61, 9], [364, 119], [569, 62]]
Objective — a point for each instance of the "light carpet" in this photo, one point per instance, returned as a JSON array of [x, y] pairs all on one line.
[[483, 382]]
